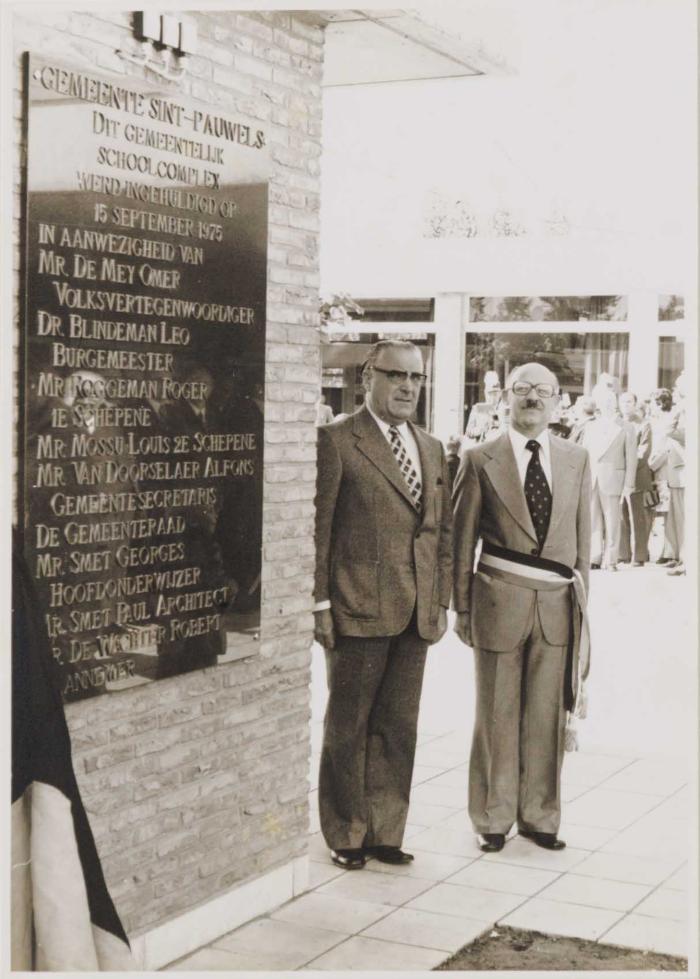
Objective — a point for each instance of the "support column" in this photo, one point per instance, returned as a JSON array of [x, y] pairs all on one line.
[[449, 365], [644, 329]]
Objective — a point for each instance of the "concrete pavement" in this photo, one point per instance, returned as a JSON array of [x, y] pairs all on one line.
[[628, 810]]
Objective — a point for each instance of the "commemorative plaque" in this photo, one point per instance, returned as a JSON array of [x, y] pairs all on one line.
[[143, 368]]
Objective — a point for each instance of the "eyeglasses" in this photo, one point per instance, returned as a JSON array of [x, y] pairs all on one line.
[[399, 377], [521, 389]]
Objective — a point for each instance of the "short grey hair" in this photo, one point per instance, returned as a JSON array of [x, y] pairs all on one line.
[[377, 348]]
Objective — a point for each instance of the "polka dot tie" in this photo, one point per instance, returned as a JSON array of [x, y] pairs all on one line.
[[537, 492], [406, 466]]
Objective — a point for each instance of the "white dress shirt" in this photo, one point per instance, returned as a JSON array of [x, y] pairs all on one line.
[[523, 454]]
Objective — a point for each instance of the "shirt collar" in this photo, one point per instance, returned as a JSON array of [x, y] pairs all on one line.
[[519, 441], [401, 427]]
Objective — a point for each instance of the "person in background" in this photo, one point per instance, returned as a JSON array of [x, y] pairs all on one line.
[[612, 447], [638, 511], [382, 588], [453, 447], [324, 412], [670, 454], [484, 419], [661, 405], [583, 414], [525, 497]]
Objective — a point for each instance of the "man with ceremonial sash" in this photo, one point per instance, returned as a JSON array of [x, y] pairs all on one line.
[[525, 498]]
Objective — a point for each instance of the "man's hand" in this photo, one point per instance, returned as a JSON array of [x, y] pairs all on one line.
[[324, 631], [442, 623], [463, 628]]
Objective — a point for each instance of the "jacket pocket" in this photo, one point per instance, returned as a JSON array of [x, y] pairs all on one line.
[[499, 613], [355, 588], [554, 609]]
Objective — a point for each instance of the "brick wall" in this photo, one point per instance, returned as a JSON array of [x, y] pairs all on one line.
[[196, 783]]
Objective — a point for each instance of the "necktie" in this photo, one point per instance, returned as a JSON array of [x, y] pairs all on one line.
[[537, 492], [406, 466]]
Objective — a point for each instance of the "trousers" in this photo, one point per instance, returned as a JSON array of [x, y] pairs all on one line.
[[518, 743], [369, 738]]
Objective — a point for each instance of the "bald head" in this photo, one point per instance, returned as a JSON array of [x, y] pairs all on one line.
[[532, 391]]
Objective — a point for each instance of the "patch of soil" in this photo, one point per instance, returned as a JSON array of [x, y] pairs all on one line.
[[512, 948]]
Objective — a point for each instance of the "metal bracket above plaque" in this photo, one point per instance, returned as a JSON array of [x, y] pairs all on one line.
[[143, 367]]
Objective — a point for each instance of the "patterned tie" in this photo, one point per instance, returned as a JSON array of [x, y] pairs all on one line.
[[537, 492], [406, 466]]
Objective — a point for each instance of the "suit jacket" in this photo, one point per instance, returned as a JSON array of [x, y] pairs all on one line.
[[377, 559], [668, 458], [613, 450], [643, 480], [490, 505]]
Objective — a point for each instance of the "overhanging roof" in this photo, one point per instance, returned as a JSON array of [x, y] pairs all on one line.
[[371, 46]]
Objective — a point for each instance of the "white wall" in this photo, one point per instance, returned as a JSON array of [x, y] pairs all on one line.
[[589, 145]]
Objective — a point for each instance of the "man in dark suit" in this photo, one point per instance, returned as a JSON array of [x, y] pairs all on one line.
[[526, 498], [383, 583], [637, 511]]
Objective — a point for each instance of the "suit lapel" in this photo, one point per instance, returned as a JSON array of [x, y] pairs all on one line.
[[564, 483], [503, 473], [371, 442], [602, 438]]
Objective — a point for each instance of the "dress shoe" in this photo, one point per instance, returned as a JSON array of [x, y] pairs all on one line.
[[388, 854], [677, 569], [638, 564], [349, 859], [595, 567], [663, 560], [548, 841], [611, 567], [491, 842]]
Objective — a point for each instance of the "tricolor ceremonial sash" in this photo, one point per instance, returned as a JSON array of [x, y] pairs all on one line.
[[541, 574]]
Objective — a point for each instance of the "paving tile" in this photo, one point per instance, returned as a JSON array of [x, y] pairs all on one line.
[[369, 954], [651, 934], [458, 820], [468, 902], [440, 839], [427, 929], [441, 795], [217, 960], [596, 892], [640, 839], [321, 873], [426, 866], [587, 837], [422, 815], [504, 877], [665, 903], [410, 830], [333, 913], [438, 757], [553, 918], [649, 776], [291, 941], [456, 778], [373, 887], [573, 790], [679, 881], [423, 773], [524, 853], [633, 869], [591, 768], [610, 810], [318, 850]]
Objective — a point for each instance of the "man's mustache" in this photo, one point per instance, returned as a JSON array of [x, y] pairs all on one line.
[[530, 403]]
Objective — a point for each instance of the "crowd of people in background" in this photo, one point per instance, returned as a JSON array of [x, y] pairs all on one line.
[[637, 452]]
